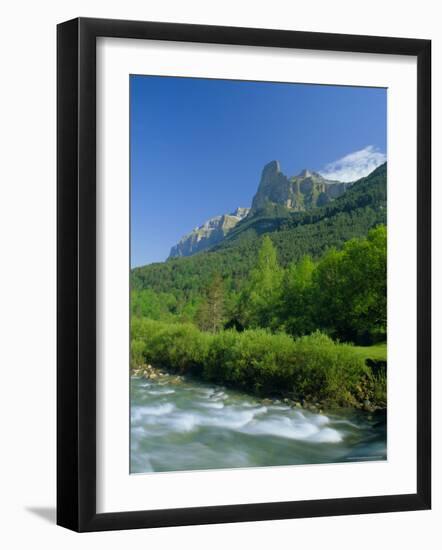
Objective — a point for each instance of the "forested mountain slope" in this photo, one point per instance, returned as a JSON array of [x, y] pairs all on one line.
[[294, 234]]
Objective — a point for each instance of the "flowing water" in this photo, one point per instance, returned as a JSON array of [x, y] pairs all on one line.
[[196, 426]]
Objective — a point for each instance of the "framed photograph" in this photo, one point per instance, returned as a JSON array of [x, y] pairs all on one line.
[[243, 274]]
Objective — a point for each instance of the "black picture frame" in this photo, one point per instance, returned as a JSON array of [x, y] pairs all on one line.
[[76, 273]]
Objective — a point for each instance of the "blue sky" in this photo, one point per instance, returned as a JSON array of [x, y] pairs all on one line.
[[198, 146]]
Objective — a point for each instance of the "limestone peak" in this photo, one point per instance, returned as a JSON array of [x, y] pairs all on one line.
[[306, 173], [271, 167]]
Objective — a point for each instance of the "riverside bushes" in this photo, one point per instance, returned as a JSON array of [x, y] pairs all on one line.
[[312, 367]]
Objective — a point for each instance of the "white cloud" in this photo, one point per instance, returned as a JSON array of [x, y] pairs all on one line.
[[354, 165]]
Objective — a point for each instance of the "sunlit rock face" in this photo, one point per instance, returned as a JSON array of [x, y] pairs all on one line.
[[298, 193], [276, 194], [208, 234]]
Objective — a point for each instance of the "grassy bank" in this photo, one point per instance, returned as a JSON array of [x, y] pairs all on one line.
[[313, 368], [377, 352]]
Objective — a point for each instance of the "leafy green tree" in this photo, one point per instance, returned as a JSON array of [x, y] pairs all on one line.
[[366, 262], [296, 304], [350, 289], [151, 304], [261, 296]]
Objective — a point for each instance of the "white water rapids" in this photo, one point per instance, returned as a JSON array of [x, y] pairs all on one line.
[[196, 426]]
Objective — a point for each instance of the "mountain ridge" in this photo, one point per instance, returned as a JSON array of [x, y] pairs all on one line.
[[207, 234], [297, 193], [294, 235], [276, 195]]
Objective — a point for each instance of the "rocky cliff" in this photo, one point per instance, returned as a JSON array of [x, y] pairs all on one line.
[[208, 234], [298, 193], [276, 195]]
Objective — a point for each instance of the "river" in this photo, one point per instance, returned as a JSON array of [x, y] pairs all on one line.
[[192, 425]]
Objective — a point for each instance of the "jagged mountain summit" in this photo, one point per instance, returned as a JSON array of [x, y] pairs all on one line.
[[297, 193], [208, 234], [277, 194]]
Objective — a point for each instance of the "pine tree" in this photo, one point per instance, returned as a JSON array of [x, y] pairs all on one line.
[[210, 314]]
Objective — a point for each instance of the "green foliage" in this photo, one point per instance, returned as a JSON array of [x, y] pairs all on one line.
[[344, 294], [288, 285], [148, 303], [350, 289], [377, 352], [177, 346], [379, 388], [312, 367], [253, 360], [261, 295], [211, 311], [163, 306], [297, 308], [329, 371]]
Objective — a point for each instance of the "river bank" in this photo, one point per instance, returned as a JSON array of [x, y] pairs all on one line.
[[312, 368], [155, 374]]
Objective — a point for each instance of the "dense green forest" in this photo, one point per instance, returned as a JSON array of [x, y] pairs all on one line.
[[279, 305], [343, 294]]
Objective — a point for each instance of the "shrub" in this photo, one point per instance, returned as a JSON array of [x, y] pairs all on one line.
[[328, 370], [182, 348], [221, 358], [312, 367]]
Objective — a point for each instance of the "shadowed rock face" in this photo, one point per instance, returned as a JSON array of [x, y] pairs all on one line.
[[274, 187], [298, 193], [210, 233]]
